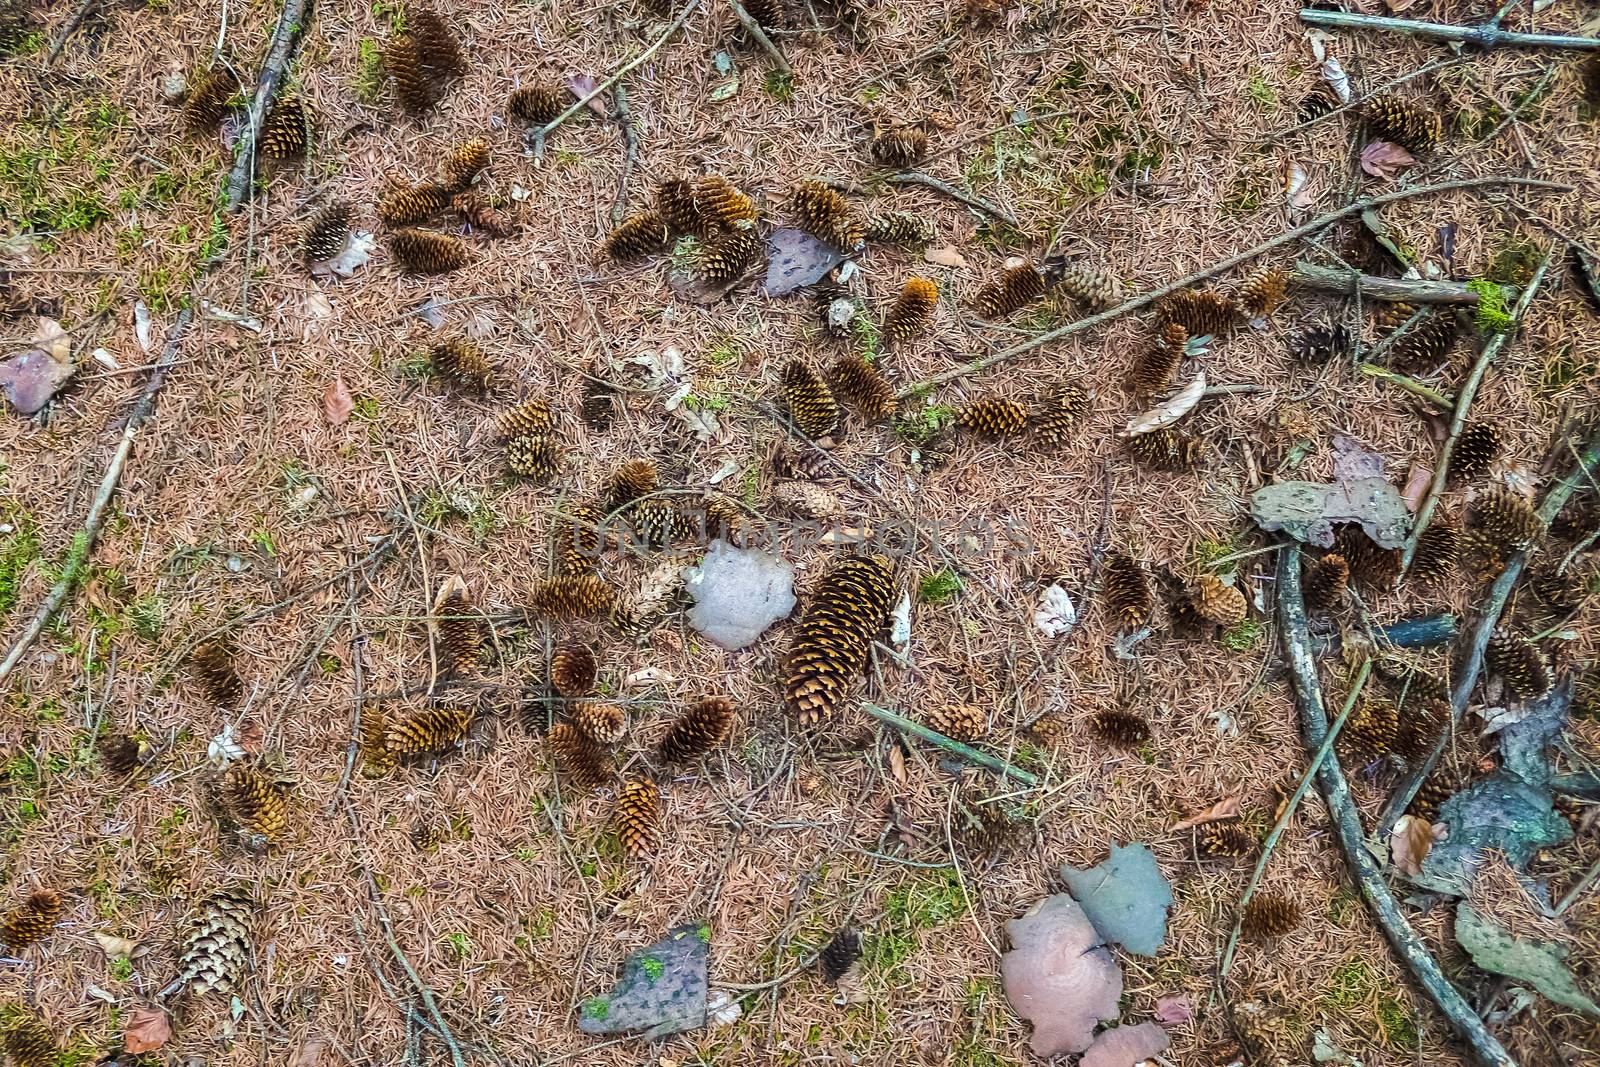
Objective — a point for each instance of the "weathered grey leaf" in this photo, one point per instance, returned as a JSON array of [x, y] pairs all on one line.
[[1537, 963], [31, 378], [1308, 511], [796, 259], [1500, 812], [1126, 898], [662, 990]]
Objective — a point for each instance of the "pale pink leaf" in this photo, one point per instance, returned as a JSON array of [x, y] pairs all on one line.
[[1417, 483], [581, 85], [337, 403], [1381, 159], [1125, 1046], [1174, 1010], [1059, 976], [945, 257], [1226, 808]]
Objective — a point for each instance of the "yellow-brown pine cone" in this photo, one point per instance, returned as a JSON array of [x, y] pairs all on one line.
[[767, 13], [1057, 419], [207, 98], [30, 922], [728, 255], [1476, 450], [726, 520], [959, 722], [900, 228], [286, 131], [474, 209], [1420, 725], [211, 663], [863, 387], [1392, 314], [218, 946], [1225, 841], [1183, 620], [1201, 312], [722, 205], [1323, 582], [1094, 289], [901, 147], [121, 755], [1166, 449], [1557, 594], [634, 479], [578, 541], [1426, 345], [571, 596], [657, 523], [426, 731], [461, 362], [988, 831], [1507, 521], [1154, 366], [994, 416], [1263, 292], [416, 86], [422, 252], [1438, 551], [834, 638], [463, 163], [1219, 602], [1117, 727], [702, 727], [574, 671], [27, 1041], [413, 203], [1371, 565], [1127, 591], [637, 237], [582, 762], [1520, 664], [1269, 914], [530, 416], [1430, 797], [1015, 288], [534, 456], [679, 208], [460, 634], [638, 818], [826, 215], [1402, 122], [1372, 731], [911, 311], [602, 722], [254, 803], [809, 401], [328, 234], [437, 43], [376, 759], [538, 104]]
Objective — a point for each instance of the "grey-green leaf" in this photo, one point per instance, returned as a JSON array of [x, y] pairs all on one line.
[[1537, 963]]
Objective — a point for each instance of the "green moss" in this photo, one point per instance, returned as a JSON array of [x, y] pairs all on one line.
[[1493, 315], [939, 587], [779, 86], [1243, 636], [1515, 262], [653, 968], [1265, 97], [459, 943], [1397, 1024], [597, 1007], [1351, 985], [1209, 550], [368, 80], [921, 426], [703, 932], [120, 969], [18, 551]]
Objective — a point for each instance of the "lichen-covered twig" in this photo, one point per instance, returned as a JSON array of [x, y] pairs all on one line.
[[759, 35], [966, 752], [977, 203], [1374, 287], [285, 39], [1410, 385], [1485, 35]]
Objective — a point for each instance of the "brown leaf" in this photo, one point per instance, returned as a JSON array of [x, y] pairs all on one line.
[[1384, 160], [1226, 808], [1417, 483], [945, 257], [310, 1051], [148, 1029], [1170, 410], [1410, 842], [337, 403]]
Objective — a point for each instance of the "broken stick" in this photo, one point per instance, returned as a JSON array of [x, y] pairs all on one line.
[[1485, 35]]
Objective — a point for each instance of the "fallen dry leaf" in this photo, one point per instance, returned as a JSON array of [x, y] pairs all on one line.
[[31, 378], [1298, 187], [1126, 1046], [1410, 842], [310, 1051], [1416, 485], [141, 325], [1381, 159], [112, 945], [317, 307], [53, 341], [1226, 808], [1169, 411], [337, 403], [945, 257], [1174, 1009], [580, 86], [148, 1029]]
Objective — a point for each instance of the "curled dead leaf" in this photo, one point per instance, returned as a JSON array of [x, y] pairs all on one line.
[[149, 1028], [1226, 808], [309, 1054], [112, 945], [1169, 411], [1381, 159], [1410, 842], [945, 257], [337, 403]]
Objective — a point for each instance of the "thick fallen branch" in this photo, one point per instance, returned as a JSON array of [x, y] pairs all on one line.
[[966, 752], [1372, 287], [1364, 869], [1320, 223], [285, 39], [1485, 35]]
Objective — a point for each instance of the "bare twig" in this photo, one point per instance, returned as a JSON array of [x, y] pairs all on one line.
[[1410, 385], [1373, 287], [759, 35], [285, 39], [630, 158], [1486, 35], [977, 203], [966, 752], [68, 28]]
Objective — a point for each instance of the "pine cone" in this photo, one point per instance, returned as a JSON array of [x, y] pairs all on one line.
[[574, 671], [1425, 345], [1507, 522], [638, 817], [376, 759], [1263, 292], [768, 14], [1371, 565], [534, 456], [1014, 289], [1201, 312], [900, 228], [1126, 591], [1154, 366], [207, 99], [1520, 664], [809, 400], [537, 104], [900, 147], [571, 596], [1438, 551], [841, 956], [994, 416], [1430, 797], [462, 363], [722, 205], [328, 234], [657, 523], [1094, 289], [959, 722], [1476, 450], [1323, 583], [1056, 420], [421, 252], [218, 947], [634, 479], [31, 922], [578, 541], [252, 801], [639, 236], [417, 86], [1321, 344], [413, 203], [529, 417], [1576, 520], [727, 256], [601, 722], [426, 732], [911, 312], [1402, 122], [1420, 725], [702, 727], [122, 756], [598, 406], [1166, 449], [987, 830], [286, 131], [474, 209], [460, 634], [1183, 621], [585, 764], [1557, 594], [436, 43], [1117, 727], [27, 1040], [677, 206], [463, 163], [863, 387], [1372, 731], [834, 638], [1219, 602], [726, 521], [212, 666], [827, 216], [1225, 841], [1269, 915]]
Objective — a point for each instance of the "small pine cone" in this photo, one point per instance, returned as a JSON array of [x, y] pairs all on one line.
[[601, 722], [1482, 557], [1425, 346], [1420, 726], [437, 43], [1219, 602], [255, 804], [863, 387], [1402, 122], [826, 215], [1392, 313], [1056, 420], [460, 634], [1269, 915], [1014, 289], [462, 363], [463, 163], [585, 764], [1153, 368], [720, 203], [1520, 664], [1051, 730], [1263, 292], [328, 234], [416, 86], [983, 14], [1201, 312], [638, 818], [727, 256], [657, 523], [574, 671], [218, 945], [1438, 551], [677, 206], [900, 228], [725, 520], [1430, 797], [1507, 521], [911, 311], [1321, 344], [1323, 582], [1372, 731], [994, 416], [413, 203], [1183, 621], [988, 831], [1558, 595], [212, 666], [1124, 729], [30, 922], [900, 147], [1225, 841], [427, 834], [1577, 520], [421, 252], [571, 596], [474, 209], [810, 402], [1476, 450], [286, 131], [534, 456], [426, 732], [1094, 289], [207, 99], [598, 406], [28, 1041], [1126, 591], [702, 727], [841, 956], [577, 540], [833, 641], [538, 104], [376, 759], [1166, 449], [1371, 565], [959, 722], [122, 756], [530, 416], [633, 480], [768, 14]]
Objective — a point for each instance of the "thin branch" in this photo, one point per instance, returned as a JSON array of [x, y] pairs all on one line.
[[966, 752], [1486, 35], [1373, 287], [630, 145], [285, 39], [1410, 385], [759, 35], [68, 28], [1028, 120], [977, 203]]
